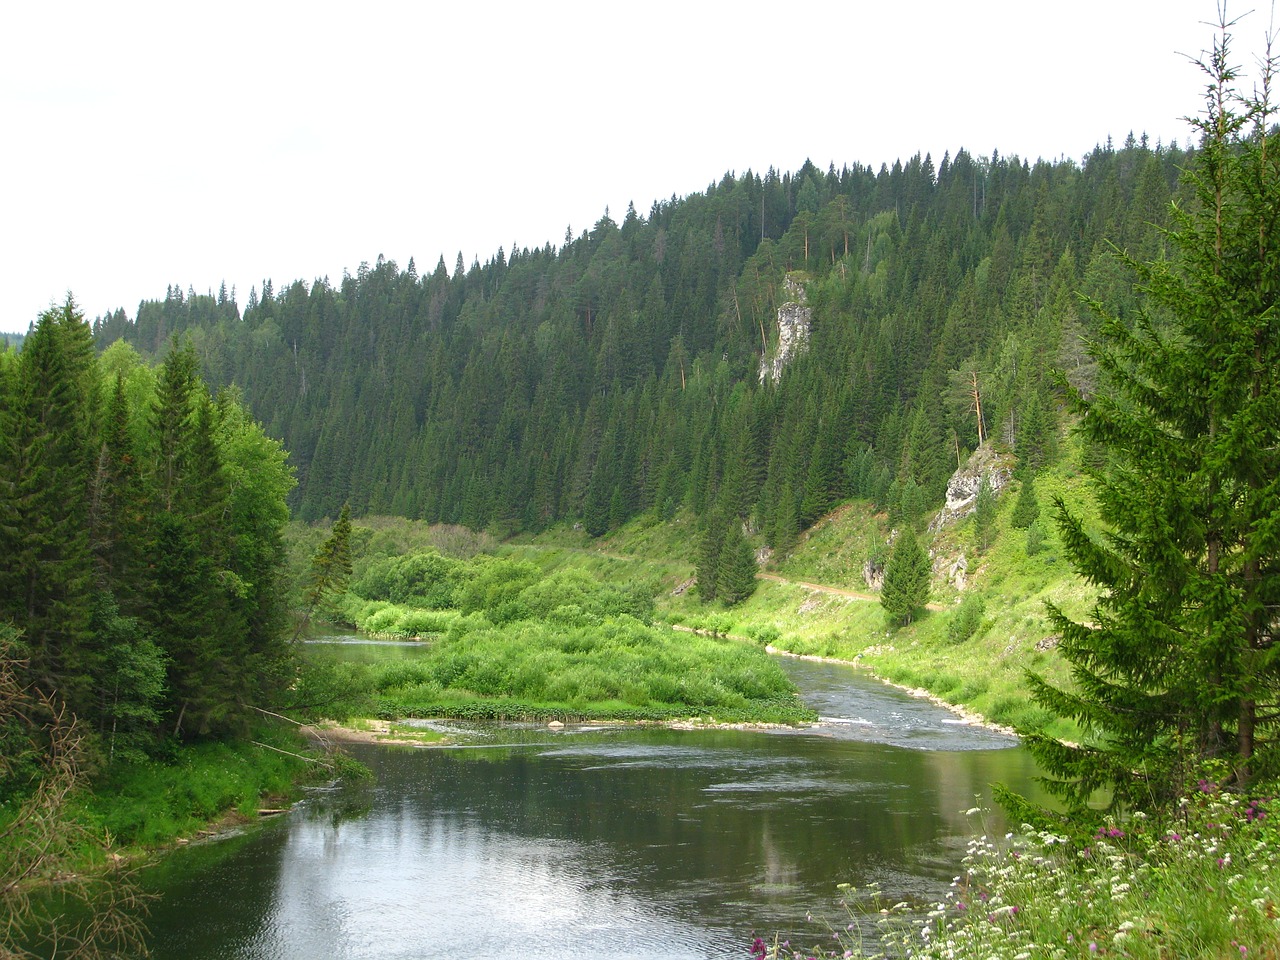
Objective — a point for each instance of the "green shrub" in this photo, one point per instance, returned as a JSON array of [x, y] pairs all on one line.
[[425, 623], [966, 619], [1035, 539], [382, 621]]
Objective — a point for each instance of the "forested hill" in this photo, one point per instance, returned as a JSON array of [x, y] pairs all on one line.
[[620, 372]]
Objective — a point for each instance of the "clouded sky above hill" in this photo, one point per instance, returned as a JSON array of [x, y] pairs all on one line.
[[148, 144]]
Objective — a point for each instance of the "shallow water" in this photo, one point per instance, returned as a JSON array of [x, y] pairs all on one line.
[[604, 843]]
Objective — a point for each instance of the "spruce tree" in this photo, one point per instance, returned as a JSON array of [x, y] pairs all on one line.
[[330, 568], [46, 564], [1026, 509], [737, 576], [1178, 661], [710, 548], [906, 580]]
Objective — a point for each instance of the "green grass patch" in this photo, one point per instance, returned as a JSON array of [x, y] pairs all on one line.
[[618, 668], [150, 804]]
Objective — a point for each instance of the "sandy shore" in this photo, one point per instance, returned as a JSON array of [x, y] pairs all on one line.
[[374, 731]]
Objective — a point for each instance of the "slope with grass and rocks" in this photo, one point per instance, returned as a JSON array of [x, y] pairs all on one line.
[[984, 627]]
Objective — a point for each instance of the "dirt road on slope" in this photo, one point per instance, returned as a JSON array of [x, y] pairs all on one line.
[[835, 591]]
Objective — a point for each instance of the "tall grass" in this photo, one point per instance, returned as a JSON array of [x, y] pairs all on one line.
[[150, 804]]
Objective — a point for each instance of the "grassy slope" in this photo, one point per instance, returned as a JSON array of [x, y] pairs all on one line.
[[985, 673]]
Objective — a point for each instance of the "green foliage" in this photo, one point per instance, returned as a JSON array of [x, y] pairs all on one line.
[[140, 547], [1177, 662], [906, 580], [524, 643], [150, 804], [495, 587], [1144, 888], [736, 579], [966, 619], [1026, 510], [131, 683], [327, 688], [429, 580], [618, 375], [536, 667], [1035, 538], [331, 565], [710, 549]]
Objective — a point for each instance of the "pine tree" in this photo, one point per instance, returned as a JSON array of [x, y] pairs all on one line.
[[46, 565], [906, 580], [1179, 662]]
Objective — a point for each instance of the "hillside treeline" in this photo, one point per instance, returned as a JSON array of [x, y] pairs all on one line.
[[619, 373]]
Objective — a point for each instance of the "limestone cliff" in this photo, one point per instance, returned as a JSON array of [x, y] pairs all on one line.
[[794, 317], [962, 488]]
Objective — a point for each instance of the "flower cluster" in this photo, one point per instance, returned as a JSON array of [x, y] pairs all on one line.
[[1204, 887]]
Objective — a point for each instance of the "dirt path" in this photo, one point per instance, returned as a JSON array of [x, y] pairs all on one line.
[[815, 587], [836, 591]]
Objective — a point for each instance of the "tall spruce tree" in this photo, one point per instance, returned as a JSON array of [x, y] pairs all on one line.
[[1178, 661], [46, 565], [906, 580], [736, 579]]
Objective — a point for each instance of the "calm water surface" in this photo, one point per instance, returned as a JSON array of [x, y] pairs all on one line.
[[603, 843]]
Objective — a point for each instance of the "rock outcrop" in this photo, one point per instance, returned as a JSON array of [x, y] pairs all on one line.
[[962, 488], [794, 317]]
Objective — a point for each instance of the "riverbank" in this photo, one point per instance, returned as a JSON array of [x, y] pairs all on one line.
[[206, 789], [388, 733]]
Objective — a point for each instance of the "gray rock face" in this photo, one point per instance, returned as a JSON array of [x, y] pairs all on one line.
[[962, 488], [873, 574], [794, 318]]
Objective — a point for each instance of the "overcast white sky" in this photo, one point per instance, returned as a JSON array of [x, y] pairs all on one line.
[[146, 144]]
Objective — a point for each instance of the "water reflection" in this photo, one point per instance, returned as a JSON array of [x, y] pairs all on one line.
[[608, 843], [548, 852]]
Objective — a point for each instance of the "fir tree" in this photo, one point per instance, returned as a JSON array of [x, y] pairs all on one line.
[[46, 564], [737, 575], [330, 567], [710, 549], [1178, 662], [1026, 509], [906, 580]]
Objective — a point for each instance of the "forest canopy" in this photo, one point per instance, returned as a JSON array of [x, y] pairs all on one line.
[[140, 543], [619, 373]]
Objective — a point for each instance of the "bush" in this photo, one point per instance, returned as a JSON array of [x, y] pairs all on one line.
[[423, 623], [966, 619], [765, 635]]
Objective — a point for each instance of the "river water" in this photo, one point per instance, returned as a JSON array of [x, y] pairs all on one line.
[[531, 843]]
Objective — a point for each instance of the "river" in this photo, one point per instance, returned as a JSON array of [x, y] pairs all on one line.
[[618, 842]]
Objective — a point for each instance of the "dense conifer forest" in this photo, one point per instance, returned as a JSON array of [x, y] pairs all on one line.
[[141, 537], [620, 372]]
